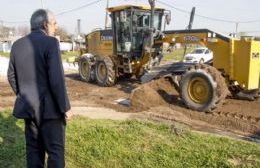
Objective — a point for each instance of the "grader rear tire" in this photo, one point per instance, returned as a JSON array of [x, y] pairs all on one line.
[[85, 69], [202, 88], [105, 72]]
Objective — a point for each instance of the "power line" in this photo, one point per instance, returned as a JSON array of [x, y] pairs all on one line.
[[78, 8], [161, 2], [206, 17], [251, 21], [253, 31]]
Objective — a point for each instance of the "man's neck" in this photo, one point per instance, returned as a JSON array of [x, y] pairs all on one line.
[[44, 31]]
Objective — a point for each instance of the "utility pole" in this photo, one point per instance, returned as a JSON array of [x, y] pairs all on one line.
[[152, 4], [79, 38], [1, 29], [237, 28], [191, 18], [106, 19], [192, 14], [42, 4], [78, 27]]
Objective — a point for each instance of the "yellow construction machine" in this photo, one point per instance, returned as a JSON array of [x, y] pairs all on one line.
[[124, 50], [134, 47]]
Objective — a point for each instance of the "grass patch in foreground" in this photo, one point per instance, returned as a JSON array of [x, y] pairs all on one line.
[[105, 143], [5, 54], [12, 143]]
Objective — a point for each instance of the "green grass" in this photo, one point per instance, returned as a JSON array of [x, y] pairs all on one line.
[[176, 54], [106, 143], [66, 55], [12, 152], [5, 54]]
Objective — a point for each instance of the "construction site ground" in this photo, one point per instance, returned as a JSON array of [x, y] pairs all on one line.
[[157, 100]]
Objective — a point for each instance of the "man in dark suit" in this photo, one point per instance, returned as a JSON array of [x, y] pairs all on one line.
[[36, 76]]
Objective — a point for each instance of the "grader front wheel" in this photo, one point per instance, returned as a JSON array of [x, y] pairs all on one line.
[[203, 88]]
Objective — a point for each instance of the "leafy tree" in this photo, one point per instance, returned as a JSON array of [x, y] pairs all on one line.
[[63, 34], [22, 30], [6, 32]]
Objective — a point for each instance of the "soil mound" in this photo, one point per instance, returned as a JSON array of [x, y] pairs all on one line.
[[155, 93]]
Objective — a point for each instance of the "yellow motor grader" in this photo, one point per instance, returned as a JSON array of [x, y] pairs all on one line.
[[133, 46], [123, 50]]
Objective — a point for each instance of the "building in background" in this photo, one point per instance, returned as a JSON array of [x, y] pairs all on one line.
[[5, 46]]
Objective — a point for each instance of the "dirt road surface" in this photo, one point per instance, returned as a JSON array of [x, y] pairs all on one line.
[[156, 100]]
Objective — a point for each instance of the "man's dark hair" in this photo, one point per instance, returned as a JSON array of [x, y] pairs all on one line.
[[39, 17]]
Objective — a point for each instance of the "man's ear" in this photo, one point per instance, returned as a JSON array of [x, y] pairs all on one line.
[[45, 25]]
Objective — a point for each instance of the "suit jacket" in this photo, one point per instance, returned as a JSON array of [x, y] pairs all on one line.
[[36, 76]]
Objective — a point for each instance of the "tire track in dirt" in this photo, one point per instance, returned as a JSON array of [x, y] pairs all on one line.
[[234, 115]]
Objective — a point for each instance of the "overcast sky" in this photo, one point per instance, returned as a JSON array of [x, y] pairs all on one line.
[[18, 12]]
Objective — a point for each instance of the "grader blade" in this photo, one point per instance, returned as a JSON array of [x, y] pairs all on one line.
[[164, 70]]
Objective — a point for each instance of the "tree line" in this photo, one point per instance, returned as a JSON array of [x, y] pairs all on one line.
[[19, 31]]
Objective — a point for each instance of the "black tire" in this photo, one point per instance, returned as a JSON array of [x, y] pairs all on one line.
[[105, 72], [85, 69], [203, 88]]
